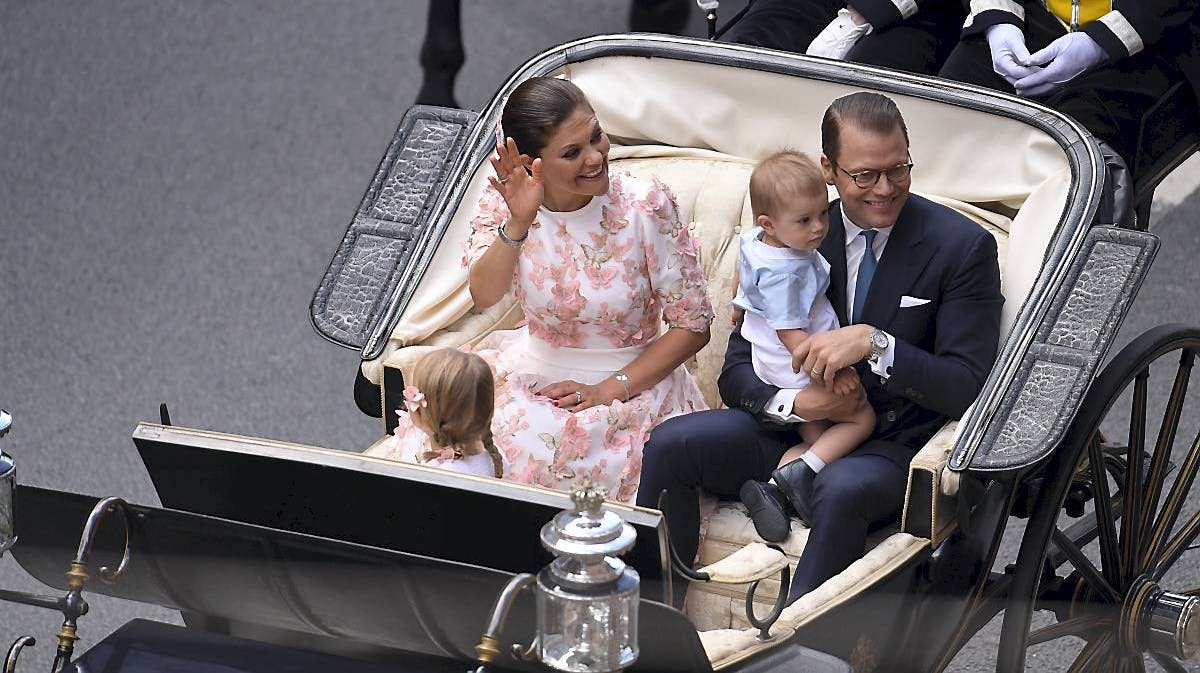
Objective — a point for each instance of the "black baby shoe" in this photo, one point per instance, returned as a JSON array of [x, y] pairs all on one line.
[[795, 481], [768, 510]]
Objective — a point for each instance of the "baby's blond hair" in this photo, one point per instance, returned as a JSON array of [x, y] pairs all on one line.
[[460, 393], [785, 175]]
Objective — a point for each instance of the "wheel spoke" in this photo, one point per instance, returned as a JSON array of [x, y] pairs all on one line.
[[1076, 626], [1166, 440], [1130, 530], [1090, 654], [1176, 547], [1088, 571], [1104, 515], [1169, 664], [1124, 663], [1173, 505]]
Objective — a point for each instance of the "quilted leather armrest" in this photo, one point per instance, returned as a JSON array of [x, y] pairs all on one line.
[[753, 562], [929, 504]]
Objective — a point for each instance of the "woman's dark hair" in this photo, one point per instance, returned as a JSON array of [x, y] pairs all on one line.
[[868, 111], [535, 109]]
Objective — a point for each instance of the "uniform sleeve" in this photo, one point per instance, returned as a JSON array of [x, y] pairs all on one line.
[[490, 213], [673, 261], [1134, 25], [987, 13], [883, 13]]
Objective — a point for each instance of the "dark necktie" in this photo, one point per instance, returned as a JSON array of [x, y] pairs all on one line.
[[866, 271]]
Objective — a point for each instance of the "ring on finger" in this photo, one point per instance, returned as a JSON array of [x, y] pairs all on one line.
[[816, 371], [503, 181], [578, 397]]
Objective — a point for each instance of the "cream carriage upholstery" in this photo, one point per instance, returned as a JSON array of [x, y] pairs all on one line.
[[700, 128]]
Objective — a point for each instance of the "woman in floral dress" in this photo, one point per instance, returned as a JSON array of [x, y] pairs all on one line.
[[596, 261]]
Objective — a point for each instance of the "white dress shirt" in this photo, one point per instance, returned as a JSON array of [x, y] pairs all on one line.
[[780, 406]]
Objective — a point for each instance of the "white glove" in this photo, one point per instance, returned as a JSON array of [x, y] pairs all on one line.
[[1010, 57], [838, 37], [1064, 59]]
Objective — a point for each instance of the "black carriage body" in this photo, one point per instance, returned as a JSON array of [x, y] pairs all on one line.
[[290, 501]]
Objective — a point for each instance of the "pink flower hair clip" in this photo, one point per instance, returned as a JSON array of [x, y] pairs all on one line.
[[414, 399]]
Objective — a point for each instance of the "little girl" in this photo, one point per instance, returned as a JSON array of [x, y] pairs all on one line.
[[450, 396], [781, 289]]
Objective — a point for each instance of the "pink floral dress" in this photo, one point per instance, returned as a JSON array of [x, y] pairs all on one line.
[[594, 285]]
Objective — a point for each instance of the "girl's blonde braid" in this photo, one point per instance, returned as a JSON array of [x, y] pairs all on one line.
[[490, 446]]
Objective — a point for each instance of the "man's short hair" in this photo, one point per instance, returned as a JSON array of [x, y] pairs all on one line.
[[785, 175], [868, 111]]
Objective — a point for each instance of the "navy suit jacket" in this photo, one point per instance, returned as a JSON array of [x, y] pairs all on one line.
[[944, 348]]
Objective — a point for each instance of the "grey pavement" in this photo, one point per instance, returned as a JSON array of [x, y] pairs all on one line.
[[174, 177]]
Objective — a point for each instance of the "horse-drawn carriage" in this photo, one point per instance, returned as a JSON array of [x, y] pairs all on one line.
[[281, 553]]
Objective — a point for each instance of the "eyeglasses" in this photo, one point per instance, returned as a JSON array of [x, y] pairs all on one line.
[[867, 179]]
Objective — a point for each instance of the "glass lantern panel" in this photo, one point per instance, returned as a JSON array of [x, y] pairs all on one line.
[[588, 632]]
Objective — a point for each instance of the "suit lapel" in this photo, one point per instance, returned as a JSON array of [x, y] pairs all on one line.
[[905, 257], [833, 249]]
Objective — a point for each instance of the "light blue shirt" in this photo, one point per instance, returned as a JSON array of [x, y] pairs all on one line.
[[779, 284]]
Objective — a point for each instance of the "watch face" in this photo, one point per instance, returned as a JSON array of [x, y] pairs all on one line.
[[878, 339]]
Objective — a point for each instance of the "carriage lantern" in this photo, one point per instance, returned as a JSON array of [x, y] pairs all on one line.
[[587, 599]]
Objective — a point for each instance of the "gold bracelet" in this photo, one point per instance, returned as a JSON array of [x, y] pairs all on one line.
[[624, 379]]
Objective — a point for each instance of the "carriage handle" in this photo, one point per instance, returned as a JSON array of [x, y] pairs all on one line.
[[785, 584], [679, 566], [10, 660]]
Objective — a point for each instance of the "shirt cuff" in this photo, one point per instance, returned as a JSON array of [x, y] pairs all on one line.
[[779, 407], [883, 366]]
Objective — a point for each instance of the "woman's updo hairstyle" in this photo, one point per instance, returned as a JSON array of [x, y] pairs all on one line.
[[536, 108]]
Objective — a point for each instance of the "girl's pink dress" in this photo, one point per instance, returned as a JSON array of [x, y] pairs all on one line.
[[594, 285]]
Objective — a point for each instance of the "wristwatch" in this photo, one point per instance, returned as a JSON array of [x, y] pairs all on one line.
[[879, 344]]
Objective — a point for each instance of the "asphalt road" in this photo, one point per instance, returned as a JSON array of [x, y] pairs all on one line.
[[173, 180]]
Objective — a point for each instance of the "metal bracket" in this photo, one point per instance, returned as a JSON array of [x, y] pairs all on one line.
[[72, 605], [488, 650], [10, 660], [764, 625], [679, 566]]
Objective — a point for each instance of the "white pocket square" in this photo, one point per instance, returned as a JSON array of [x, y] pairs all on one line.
[[907, 301]]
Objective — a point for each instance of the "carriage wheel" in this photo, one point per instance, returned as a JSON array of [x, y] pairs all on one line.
[[1104, 579]]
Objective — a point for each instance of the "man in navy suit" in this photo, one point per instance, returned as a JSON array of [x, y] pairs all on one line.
[[922, 326]]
